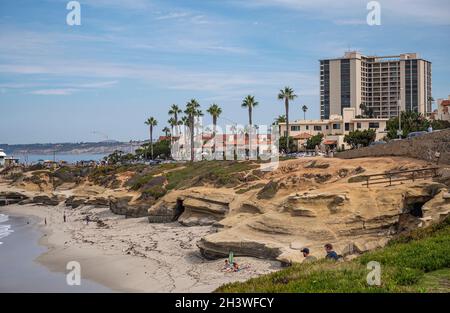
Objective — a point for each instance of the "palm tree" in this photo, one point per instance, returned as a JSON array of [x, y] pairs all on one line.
[[166, 131], [192, 111], [215, 112], [304, 109], [185, 122], [287, 94], [280, 119], [174, 111], [151, 122], [249, 102], [172, 123], [363, 108]]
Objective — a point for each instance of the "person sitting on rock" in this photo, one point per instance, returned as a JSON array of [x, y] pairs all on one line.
[[235, 267], [331, 254], [308, 258]]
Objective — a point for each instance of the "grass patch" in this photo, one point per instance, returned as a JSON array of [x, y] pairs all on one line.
[[219, 173], [107, 175], [414, 262], [437, 281], [153, 193], [244, 190]]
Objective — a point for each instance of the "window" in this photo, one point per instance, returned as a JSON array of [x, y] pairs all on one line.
[[358, 125], [345, 84], [374, 125], [347, 126], [336, 126], [307, 127], [295, 128], [327, 127], [317, 127]]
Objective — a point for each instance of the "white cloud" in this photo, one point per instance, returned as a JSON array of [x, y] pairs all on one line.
[[350, 21], [55, 89], [120, 4], [54, 92], [217, 82], [97, 85], [431, 11], [174, 15]]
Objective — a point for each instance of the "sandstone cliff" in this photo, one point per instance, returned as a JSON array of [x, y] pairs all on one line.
[[307, 203]]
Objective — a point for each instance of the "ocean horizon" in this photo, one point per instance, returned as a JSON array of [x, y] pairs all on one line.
[[69, 158]]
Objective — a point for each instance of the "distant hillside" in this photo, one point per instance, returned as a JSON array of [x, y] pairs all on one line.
[[103, 147]]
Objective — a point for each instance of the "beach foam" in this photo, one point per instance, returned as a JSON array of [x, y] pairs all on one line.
[[5, 229]]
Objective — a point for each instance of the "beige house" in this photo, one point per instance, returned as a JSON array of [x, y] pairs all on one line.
[[443, 109], [334, 129]]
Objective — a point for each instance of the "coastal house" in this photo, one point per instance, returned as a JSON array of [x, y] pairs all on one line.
[[443, 112], [11, 161], [2, 158], [334, 129], [7, 161]]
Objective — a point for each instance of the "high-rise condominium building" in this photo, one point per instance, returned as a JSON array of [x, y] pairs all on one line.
[[384, 85]]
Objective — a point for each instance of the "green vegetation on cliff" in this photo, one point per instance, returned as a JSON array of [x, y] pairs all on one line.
[[415, 262]]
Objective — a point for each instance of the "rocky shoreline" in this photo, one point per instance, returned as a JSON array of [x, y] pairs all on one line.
[[307, 202]]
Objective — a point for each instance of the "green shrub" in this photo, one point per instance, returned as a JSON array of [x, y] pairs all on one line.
[[154, 192], [405, 276], [218, 173]]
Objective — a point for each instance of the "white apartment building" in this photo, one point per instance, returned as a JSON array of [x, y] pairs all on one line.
[[334, 128], [382, 84]]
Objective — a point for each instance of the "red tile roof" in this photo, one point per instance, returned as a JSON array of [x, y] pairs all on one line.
[[302, 136]]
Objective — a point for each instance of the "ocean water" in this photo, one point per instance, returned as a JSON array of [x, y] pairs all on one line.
[[5, 229], [70, 158]]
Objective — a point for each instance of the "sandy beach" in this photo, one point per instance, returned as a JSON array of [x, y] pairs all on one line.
[[131, 255]]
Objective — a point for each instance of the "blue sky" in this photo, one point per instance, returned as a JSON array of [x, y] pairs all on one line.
[[131, 59]]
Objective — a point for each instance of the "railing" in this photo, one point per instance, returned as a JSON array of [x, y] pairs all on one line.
[[399, 176]]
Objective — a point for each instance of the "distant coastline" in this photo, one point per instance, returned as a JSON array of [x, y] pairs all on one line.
[[49, 149]]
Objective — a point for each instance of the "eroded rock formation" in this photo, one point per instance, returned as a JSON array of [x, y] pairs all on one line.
[[351, 216]]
